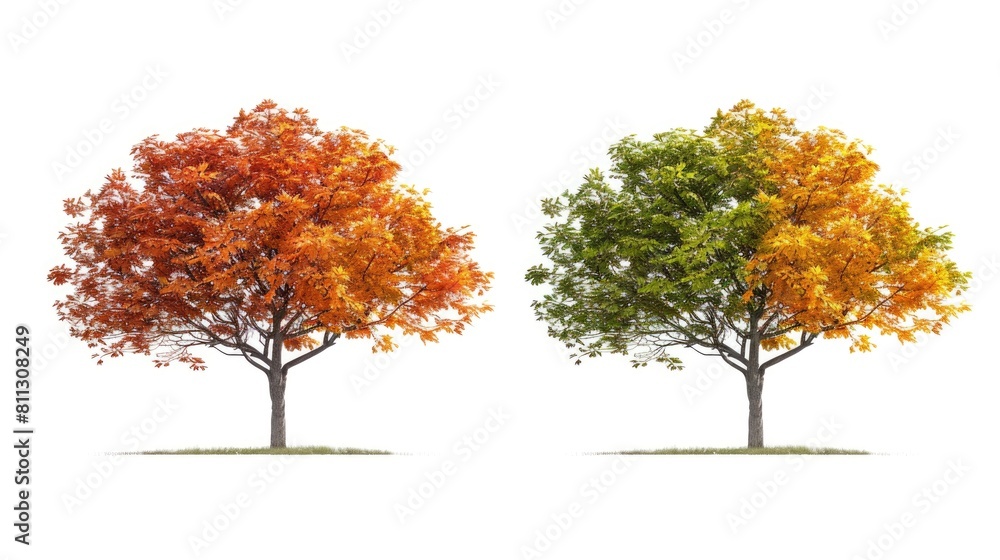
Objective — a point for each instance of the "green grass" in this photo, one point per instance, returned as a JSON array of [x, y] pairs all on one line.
[[319, 450], [788, 450], [311, 450]]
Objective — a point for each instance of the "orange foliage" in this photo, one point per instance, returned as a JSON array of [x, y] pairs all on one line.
[[842, 253], [271, 231]]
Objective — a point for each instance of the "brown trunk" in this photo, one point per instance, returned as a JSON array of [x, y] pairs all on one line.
[[755, 388], [276, 382]]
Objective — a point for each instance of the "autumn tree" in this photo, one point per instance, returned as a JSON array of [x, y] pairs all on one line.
[[270, 241], [747, 241]]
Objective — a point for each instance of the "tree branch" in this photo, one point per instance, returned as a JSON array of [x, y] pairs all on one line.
[[805, 341], [329, 339]]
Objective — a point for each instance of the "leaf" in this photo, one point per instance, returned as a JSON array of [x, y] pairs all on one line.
[[272, 223], [750, 222]]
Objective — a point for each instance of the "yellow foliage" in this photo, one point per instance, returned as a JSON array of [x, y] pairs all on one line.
[[842, 252]]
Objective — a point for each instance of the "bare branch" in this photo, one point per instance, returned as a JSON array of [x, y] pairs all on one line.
[[329, 339], [805, 341]]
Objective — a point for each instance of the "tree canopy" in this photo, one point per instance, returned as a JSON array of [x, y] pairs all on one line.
[[271, 228], [271, 236], [751, 235]]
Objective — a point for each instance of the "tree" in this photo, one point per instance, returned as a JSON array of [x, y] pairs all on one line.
[[747, 242], [270, 241]]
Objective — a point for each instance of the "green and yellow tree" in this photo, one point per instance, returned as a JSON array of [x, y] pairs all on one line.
[[269, 241], [748, 241]]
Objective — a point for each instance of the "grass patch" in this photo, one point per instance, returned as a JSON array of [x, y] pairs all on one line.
[[310, 450], [787, 450]]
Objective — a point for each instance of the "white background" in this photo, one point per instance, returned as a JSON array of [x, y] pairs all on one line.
[[920, 83]]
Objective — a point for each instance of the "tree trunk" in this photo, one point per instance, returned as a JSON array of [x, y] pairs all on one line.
[[755, 388], [276, 382]]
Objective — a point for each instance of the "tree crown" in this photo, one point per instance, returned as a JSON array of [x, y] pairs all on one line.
[[259, 238], [744, 234]]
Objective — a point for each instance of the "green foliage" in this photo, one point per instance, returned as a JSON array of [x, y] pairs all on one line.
[[655, 263], [731, 240]]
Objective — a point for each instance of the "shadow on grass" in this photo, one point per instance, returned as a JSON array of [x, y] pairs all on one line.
[[312, 450], [788, 450]]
